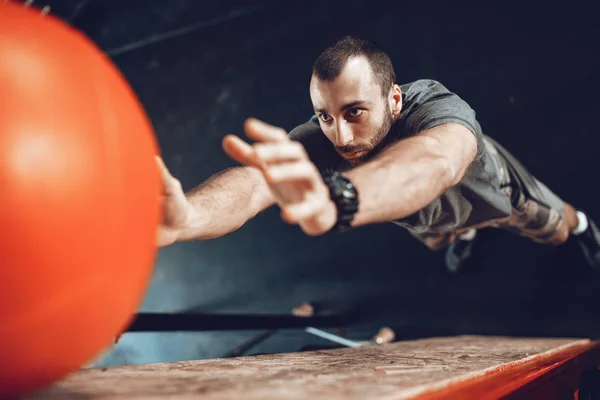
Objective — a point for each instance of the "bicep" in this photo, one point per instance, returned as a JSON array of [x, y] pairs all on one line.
[[456, 144]]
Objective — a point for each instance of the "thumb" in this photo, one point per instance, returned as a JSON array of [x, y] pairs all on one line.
[[170, 184], [263, 132], [164, 171]]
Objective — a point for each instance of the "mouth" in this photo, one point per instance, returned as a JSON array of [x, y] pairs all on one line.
[[355, 154]]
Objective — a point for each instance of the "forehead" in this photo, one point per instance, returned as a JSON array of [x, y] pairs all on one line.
[[355, 82]]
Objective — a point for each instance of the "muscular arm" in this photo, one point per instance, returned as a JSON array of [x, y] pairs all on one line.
[[224, 203], [411, 173]]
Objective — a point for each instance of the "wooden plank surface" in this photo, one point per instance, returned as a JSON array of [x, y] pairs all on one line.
[[400, 370]]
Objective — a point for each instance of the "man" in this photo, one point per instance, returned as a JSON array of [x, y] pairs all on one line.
[[376, 152]]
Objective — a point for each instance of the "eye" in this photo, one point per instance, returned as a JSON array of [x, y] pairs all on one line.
[[355, 112], [324, 117]]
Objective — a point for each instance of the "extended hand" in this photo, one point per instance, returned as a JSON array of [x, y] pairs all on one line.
[[177, 210], [294, 180]]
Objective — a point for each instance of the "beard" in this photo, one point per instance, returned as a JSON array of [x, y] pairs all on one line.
[[383, 136]]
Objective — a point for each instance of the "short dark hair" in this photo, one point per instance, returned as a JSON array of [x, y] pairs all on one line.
[[333, 59]]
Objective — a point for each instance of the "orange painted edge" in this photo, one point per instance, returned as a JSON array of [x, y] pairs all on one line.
[[507, 379]]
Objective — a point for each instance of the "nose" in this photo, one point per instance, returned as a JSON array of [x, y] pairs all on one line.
[[343, 134]]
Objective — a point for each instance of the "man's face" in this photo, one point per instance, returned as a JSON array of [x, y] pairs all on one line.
[[352, 112]]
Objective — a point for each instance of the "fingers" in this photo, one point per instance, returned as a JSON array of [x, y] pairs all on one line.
[[240, 151], [263, 132], [279, 152], [273, 145], [280, 161], [291, 172], [296, 212], [285, 162], [164, 171]]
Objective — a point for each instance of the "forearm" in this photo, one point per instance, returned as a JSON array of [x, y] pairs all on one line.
[[224, 203], [402, 179]]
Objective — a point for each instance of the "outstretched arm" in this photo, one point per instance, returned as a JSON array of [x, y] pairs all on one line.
[[399, 181], [217, 207], [411, 173]]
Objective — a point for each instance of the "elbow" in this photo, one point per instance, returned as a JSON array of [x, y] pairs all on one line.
[[448, 173]]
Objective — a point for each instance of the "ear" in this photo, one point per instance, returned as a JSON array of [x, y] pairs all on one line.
[[395, 100]]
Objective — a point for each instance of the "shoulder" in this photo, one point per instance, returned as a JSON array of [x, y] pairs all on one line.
[[422, 84], [307, 130], [431, 96], [428, 103], [422, 90]]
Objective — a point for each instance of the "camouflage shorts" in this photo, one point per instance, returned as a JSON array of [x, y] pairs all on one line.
[[529, 218], [537, 220], [532, 219]]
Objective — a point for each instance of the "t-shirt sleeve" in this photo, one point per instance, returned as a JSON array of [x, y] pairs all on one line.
[[304, 131], [317, 146], [430, 104], [433, 104]]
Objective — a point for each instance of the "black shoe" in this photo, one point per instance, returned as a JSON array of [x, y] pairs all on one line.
[[458, 253], [589, 240]]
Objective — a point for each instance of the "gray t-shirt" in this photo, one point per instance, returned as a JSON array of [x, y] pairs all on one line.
[[476, 199]]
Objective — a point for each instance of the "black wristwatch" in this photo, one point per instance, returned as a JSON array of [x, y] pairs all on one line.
[[344, 195]]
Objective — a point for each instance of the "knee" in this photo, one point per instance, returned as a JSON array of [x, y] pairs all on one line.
[[440, 242], [560, 236]]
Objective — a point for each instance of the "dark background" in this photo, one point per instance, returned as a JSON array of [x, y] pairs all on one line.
[[529, 71]]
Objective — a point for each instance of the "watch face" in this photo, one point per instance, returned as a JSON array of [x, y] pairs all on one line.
[[347, 193], [343, 187]]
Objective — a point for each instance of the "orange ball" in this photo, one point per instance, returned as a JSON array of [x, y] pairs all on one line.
[[79, 200]]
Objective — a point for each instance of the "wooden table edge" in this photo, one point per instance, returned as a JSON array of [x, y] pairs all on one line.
[[501, 381]]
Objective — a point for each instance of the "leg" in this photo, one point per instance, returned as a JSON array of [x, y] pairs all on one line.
[[570, 223], [539, 221], [458, 246], [545, 218], [437, 242], [553, 225], [440, 241], [459, 251], [587, 234]]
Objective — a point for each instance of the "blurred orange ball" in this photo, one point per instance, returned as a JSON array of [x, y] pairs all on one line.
[[79, 200]]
